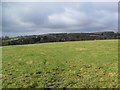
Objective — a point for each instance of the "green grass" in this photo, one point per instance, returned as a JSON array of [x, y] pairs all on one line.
[[79, 64]]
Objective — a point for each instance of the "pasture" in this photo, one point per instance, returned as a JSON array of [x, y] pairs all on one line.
[[78, 64]]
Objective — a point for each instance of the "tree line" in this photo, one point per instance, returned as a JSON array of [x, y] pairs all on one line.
[[60, 37]]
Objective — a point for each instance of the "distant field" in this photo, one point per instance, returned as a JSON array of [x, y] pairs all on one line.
[[79, 64]]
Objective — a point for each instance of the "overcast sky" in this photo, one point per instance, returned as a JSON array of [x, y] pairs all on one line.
[[30, 18]]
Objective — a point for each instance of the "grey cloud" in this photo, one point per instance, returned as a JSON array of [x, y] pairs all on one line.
[[0, 19], [38, 18]]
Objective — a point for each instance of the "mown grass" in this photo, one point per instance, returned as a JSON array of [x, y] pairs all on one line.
[[81, 64]]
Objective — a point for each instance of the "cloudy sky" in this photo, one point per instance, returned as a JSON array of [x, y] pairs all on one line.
[[33, 18]]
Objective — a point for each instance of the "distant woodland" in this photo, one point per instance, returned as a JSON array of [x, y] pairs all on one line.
[[59, 37]]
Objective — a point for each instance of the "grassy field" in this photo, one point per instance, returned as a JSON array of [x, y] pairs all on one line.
[[80, 64]]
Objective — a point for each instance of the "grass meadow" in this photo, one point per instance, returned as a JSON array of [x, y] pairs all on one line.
[[76, 64]]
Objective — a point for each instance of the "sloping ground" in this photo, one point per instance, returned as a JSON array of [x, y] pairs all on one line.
[[83, 64]]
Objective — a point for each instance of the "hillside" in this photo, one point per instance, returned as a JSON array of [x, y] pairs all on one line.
[[79, 64], [58, 37]]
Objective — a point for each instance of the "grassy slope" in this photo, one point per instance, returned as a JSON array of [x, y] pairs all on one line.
[[0, 67], [64, 64]]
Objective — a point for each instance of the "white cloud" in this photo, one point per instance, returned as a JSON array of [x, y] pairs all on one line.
[[68, 17]]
